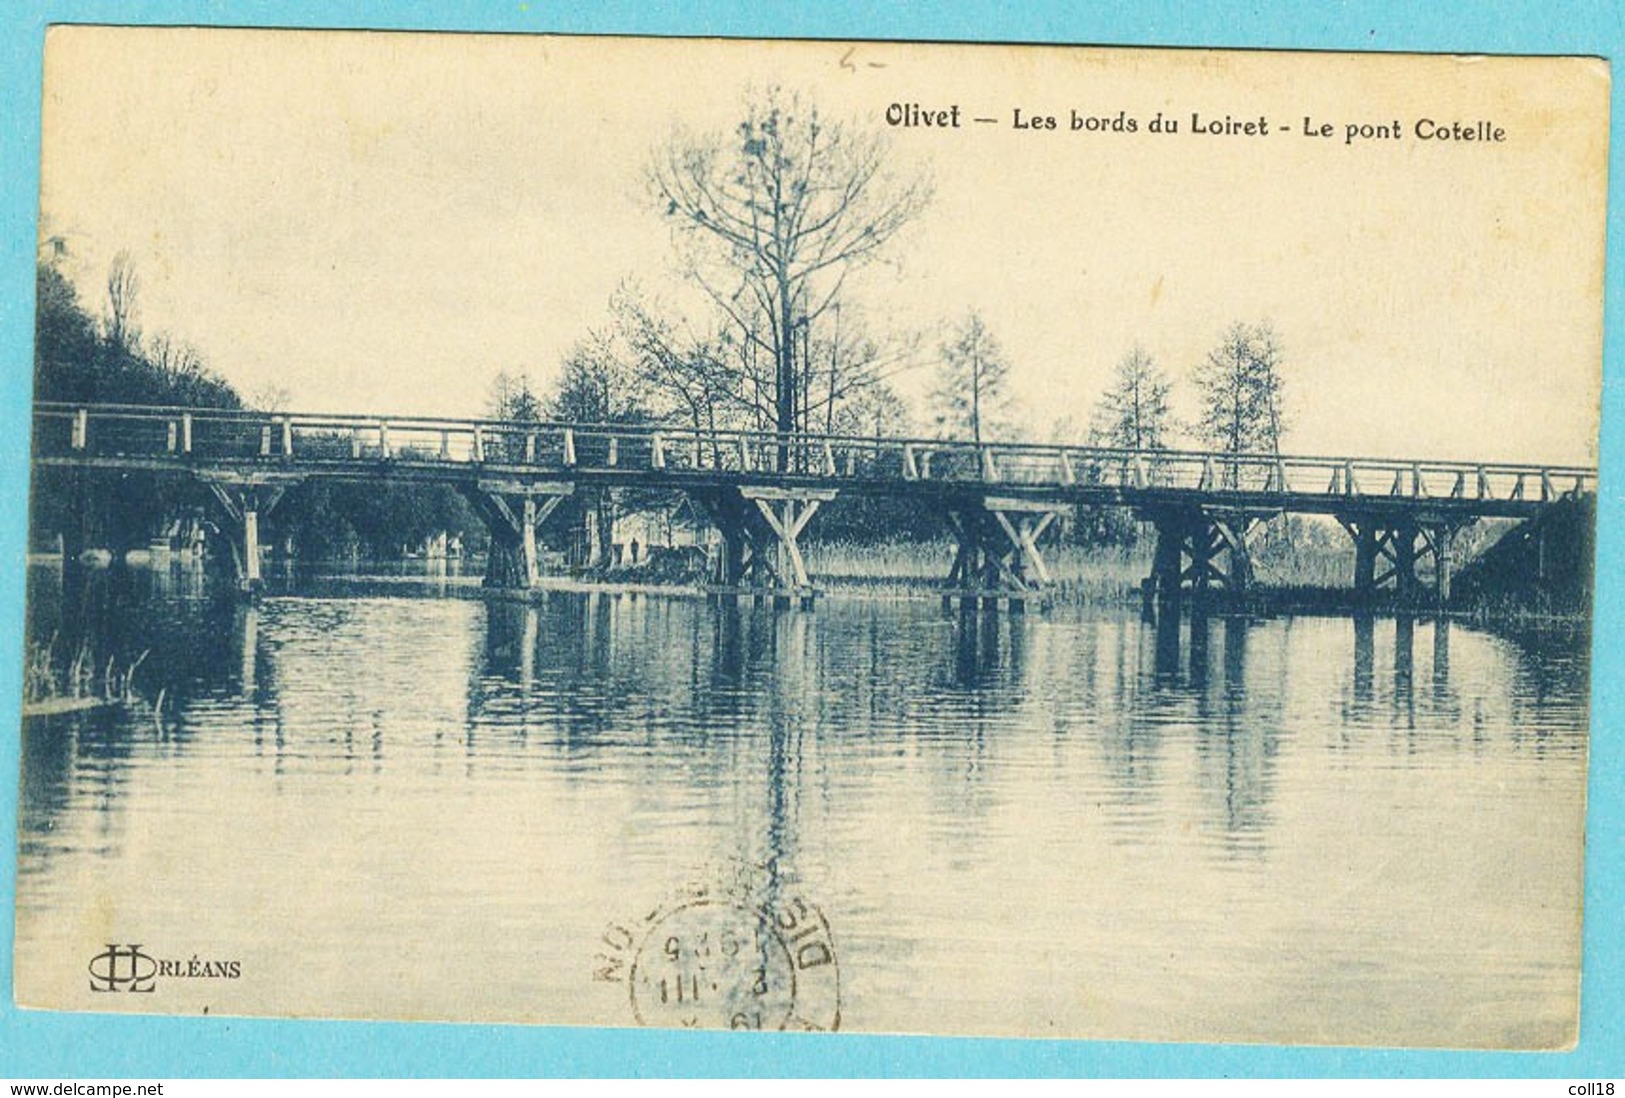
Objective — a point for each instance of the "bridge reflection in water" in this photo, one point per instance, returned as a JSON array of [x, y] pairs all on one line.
[[585, 674], [515, 773]]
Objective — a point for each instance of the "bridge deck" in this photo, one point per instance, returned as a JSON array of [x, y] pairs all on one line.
[[251, 447]]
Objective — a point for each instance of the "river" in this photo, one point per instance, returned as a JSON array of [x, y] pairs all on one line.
[[393, 797]]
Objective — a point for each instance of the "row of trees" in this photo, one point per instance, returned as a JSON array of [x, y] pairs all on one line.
[[84, 356], [81, 358], [775, 223], [1239, 388]]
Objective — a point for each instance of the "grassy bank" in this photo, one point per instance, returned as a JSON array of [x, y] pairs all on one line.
[[53, 682]]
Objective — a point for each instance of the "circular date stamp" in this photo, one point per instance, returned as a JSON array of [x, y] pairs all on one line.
[[737, 949]]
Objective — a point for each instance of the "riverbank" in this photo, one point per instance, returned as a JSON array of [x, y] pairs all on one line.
[[1305, 578]]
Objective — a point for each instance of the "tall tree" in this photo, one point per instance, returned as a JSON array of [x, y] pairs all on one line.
[[1241, 390], [773, 220], [122, 288], [596, 384], [970, 397], [1134, 414]]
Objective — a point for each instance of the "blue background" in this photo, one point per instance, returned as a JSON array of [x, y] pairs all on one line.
[[45, 1045]]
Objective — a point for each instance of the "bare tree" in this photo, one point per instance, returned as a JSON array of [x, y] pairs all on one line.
[[271, 398], [682, 373], [122, 289], [513, 397], [851, 367], [970, 395], [173, 357], [773, 219]]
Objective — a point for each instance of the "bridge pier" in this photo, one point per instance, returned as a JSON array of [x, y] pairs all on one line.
[[997, 553], [1213, 542], [1389, 547], [245, 499], [761, 527], [513, 511]]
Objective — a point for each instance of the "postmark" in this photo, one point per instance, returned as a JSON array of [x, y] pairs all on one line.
[[735, 948]]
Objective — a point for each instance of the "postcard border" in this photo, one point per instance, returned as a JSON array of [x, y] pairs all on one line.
[[42, 1044]]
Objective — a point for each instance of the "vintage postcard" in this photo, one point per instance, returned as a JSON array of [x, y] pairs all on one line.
[[897, 538]]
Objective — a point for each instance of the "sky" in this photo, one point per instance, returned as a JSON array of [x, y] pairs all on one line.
[[380, 222]]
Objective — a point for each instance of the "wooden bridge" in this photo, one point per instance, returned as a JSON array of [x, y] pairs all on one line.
[[761, 489]]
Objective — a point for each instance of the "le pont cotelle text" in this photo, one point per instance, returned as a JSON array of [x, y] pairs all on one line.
[[952, 117]]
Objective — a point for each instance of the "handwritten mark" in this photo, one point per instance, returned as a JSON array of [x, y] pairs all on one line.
[[846, 61]]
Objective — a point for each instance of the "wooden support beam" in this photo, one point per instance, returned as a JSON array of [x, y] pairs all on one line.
[[788, 526], [767, 491], [1405, 559], [1366, 551], [227, 500], [244, 501], [997, 546], [251, 578], [514, 511], [1166, 562], [1024, 533], [966, 556], [1443, 561], [530, 563], [502, 508]]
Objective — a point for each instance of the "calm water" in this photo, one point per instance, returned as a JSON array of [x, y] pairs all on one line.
[[393, 798]]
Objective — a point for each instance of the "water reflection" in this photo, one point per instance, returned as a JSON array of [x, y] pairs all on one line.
[[695, 685], [980, 764]]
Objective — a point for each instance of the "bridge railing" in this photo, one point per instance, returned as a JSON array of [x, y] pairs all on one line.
[[197, 434]]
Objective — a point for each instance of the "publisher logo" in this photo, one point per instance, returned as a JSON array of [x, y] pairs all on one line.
[[130, 968], [123, 968]]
